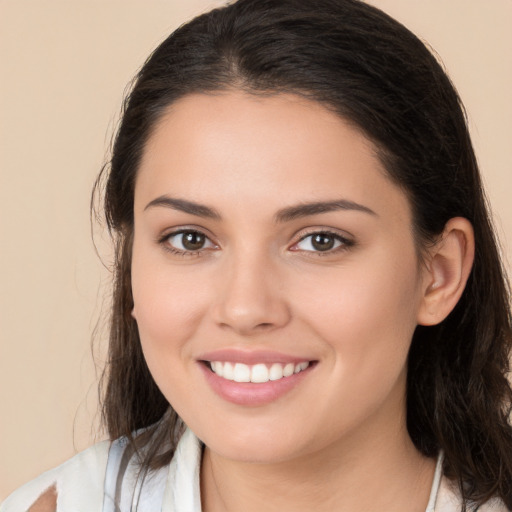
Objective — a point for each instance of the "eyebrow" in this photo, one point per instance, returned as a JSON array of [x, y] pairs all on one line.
[[285, 215], [307, 209], [183, 205]]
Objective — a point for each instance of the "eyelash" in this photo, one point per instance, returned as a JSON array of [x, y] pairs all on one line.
[[164, 242], [345, 243]]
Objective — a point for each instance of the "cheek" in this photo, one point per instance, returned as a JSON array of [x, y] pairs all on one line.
[[367, 315], [168, 310], [163, 308], [168, 306], [366, 318]]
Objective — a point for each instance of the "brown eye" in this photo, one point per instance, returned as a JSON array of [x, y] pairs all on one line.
[[322, 242], [192, 241], [189, 241]]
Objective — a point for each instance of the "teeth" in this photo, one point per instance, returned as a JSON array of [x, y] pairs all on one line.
[[218, 367], [241, 373], [227, 371], [276, 371], [290, 368], [258, 373]]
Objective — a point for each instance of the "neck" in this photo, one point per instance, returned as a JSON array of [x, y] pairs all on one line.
[[379, 469]]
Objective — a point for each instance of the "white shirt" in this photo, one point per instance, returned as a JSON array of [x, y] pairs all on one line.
[[90, 480]]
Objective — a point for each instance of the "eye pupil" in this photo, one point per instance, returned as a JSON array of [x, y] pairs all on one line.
[[322, 242], [193, 241]]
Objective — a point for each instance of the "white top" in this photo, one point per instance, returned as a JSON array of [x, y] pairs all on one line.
[[92, 480]]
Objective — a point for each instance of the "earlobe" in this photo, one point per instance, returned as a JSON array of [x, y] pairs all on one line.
[[446, 271]]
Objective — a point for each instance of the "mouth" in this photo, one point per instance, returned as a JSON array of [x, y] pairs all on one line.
[[258, 373], [254, 377]]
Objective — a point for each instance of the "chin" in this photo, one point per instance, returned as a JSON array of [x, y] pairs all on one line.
[[255, 444]]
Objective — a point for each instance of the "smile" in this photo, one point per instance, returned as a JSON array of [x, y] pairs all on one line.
[[258, 373], [256, 378]]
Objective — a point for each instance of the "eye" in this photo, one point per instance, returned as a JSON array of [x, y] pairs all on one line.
[[322, 241], [188, 241]]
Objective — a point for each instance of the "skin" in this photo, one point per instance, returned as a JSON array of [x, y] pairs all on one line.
[[337, 440], [47, 502]]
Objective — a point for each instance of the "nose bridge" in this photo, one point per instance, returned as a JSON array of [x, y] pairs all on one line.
[[250, 298]]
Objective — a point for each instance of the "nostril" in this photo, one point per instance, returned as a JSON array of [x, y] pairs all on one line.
[[249, 312], [264, 325]]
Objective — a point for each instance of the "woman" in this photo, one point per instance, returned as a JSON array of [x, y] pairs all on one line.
[[306, 273]]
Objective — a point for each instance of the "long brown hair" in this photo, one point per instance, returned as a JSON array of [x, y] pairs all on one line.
[[371, 70]]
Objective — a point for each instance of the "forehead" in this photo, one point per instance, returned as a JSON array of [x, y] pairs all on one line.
[[241, 148]]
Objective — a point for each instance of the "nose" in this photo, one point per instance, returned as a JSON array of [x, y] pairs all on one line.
[[250, 298]]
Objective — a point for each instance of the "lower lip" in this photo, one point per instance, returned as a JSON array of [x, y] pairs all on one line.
[[249, 393]]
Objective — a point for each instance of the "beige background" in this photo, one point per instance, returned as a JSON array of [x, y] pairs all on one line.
[[63, 68]]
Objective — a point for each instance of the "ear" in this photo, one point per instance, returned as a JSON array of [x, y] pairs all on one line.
[[447, 268]]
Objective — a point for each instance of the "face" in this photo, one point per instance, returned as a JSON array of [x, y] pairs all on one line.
[[275, 278]]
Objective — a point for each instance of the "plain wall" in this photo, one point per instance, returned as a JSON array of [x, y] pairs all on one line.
[[63, 68]]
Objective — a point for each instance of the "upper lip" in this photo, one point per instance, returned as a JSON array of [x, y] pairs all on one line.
[[251, 357]]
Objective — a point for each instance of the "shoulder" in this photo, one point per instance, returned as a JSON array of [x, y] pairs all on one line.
[[449, 500], [80, 479]]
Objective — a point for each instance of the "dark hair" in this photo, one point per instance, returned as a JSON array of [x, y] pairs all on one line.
[[372, 71]]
